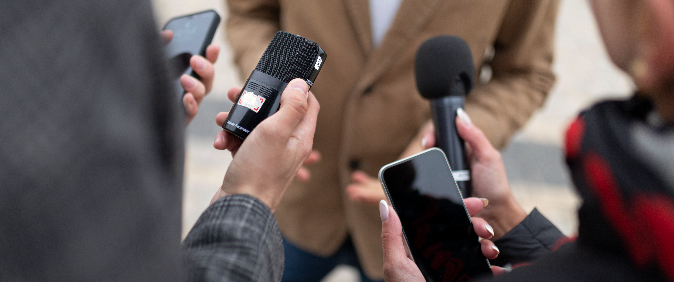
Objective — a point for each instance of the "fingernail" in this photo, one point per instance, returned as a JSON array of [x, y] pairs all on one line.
[[199, 64], [300, 86], [190, 83], [493, 247], [463, 116], [485, 201], [220, 139], [423, 142], [383, 211], [490, 230]]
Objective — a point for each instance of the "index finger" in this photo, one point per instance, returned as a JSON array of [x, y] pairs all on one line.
[[166, 35], [391, 235], [203, 66], [474, 138], [475, 205]]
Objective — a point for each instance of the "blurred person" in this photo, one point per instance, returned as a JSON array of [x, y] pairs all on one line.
[[372, 109], [92, 155], [620, 155]]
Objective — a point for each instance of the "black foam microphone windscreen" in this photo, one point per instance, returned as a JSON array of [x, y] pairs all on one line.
[[288, 56], [443, 66], [445, 74]]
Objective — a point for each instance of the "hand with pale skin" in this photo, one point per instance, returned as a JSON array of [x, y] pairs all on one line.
[[367, 189], [303, 174], [264, 165], [488, 178], [196, 88], [398, 266]]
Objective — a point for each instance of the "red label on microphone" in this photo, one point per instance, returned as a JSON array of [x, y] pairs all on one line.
[[251, 101]]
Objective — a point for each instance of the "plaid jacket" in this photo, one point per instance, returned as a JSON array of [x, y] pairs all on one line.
[[235, 239]]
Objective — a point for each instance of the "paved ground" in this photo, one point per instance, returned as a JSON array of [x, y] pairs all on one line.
[[534, 159]]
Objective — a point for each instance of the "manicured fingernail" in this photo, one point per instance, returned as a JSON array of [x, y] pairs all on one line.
[[490, 230], [300, 86], [190, 83], [199, 64], [423, 142], [463, 116], [383, 211], [485, 201], [493, 247]]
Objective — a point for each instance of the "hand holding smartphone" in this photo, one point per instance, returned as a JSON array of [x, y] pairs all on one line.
[[436, 224], [191, 36]]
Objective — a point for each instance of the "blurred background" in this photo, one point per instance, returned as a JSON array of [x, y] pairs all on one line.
[[534, 159]]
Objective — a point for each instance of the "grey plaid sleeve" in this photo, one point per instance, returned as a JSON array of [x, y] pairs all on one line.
[[235, 239]]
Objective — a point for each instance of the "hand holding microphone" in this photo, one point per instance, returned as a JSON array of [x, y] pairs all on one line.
[[288, 56], [264, 166], [445, 75]]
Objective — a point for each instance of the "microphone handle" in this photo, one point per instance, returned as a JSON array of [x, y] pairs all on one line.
[[448, 140]]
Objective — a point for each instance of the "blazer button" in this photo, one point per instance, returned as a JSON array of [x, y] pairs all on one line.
[[354, 164], [368, 90]]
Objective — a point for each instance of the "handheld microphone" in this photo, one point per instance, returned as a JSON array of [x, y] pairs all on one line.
[[287, 57], [444, 74]]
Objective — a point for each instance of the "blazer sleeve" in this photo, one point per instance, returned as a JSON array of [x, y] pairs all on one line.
[[235, 239], [521, 70], [251, 25], [532, 238]]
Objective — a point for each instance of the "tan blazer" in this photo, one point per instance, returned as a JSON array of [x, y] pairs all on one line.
[[370, 107]]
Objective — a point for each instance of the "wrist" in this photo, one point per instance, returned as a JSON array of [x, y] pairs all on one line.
[[265, 195]]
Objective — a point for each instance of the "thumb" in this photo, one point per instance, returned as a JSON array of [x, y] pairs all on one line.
[[391, 235], [293, 108]]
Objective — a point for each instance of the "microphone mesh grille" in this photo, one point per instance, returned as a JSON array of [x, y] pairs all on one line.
[[288, 56]]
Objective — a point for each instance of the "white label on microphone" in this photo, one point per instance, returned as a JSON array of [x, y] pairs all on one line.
[[251, 101], [461, 175], [319, 61]]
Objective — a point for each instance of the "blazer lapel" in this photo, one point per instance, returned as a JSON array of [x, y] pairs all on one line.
[[412, 16], [359, 13]]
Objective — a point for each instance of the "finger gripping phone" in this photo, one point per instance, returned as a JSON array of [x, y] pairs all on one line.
[[191, 36], [436, 224]]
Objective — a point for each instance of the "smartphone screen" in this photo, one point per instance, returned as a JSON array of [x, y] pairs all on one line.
[[435, 222], [191, 36]]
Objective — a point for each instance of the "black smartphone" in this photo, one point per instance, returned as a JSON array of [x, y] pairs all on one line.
[[436, 224], [191, 35]]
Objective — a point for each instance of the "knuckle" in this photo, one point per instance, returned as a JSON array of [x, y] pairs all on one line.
[[387, 235], [306, 150], [391, 267], [193, 111], [496, 156], [270, 132], [297, 103], [492, 155]]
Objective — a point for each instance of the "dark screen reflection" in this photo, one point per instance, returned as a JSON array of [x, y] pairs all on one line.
[[434, 219]]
